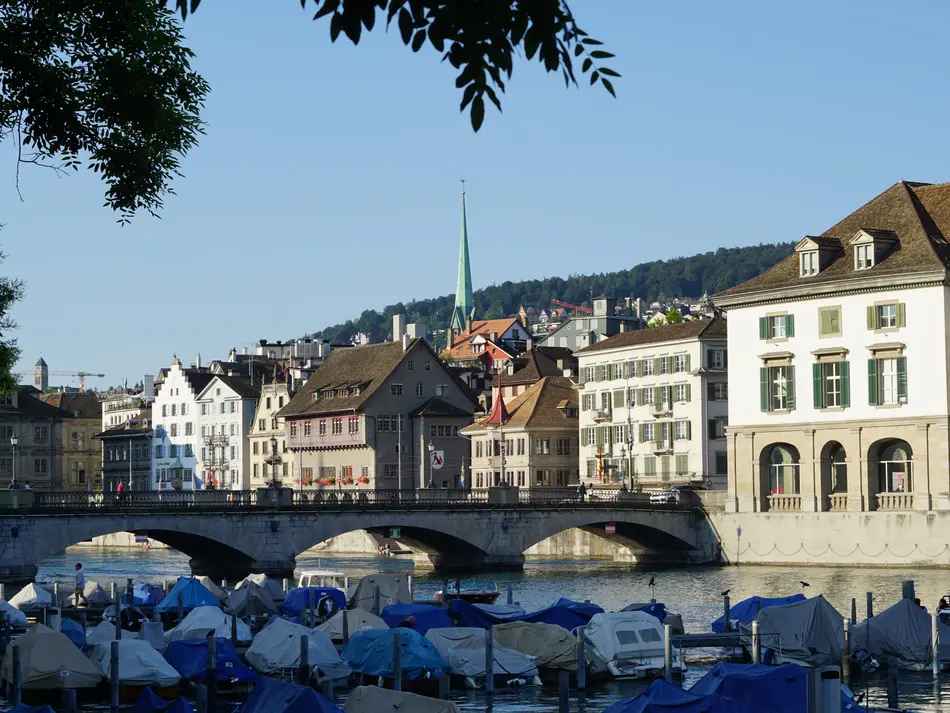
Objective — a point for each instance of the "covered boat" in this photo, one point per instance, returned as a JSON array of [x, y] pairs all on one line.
[[272, 586], [95, 595], [463, 649], [74, 632], [189, 658], [551, 646], [209, 584], [564, 613], [202, 620], [32, 598], [501, 611], [139, 664], [250, 600], [661, 697], [393, 589], [372, 699], [105, 631], [808, 632], [298, 600], [356, 620], [663, 615], [631, 644], [371, 653], [15, 617], [146, 595], [425, 616], [48, 661], [744, 612], [272, 696], [900, 632], [148, 702], [193, 594], [276, 648], [154, 634]]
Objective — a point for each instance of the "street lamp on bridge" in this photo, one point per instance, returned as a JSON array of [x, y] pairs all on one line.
[[14, 440]]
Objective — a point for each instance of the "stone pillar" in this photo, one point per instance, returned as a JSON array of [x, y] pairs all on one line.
[[809, 476], [940, 466], [731, 502], [920, 477], [857, 472]]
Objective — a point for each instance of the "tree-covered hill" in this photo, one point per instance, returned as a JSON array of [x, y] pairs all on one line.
[[663, 279]]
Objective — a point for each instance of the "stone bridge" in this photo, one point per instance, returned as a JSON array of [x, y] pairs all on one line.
[[228, 535]]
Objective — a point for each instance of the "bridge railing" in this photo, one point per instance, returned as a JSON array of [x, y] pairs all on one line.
[[388, 498], [138, 500]]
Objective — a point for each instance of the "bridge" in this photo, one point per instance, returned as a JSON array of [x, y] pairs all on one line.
[[229, 534]]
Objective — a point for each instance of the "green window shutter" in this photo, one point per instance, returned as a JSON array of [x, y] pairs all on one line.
[[817, 390], [824, 322], [600, 436], [711, 428], [643, 432], [608, 435], [580, 376], [657, 365], [709, 358], [618, 399], [688, 362], [689, 430], [764, 388], [872, 317], [657, 395], [639, 367], [901, 314], [791, 388], [790, 325], [710, 392], [845, 384], [902, 380], [763, 328], [689, 392], [872, 382]]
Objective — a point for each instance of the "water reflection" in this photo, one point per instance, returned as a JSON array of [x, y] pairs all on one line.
[[694, 592]]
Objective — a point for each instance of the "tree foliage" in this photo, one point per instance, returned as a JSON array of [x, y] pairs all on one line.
[[107, 83], [477, 37], [660, 280], [10, 291]]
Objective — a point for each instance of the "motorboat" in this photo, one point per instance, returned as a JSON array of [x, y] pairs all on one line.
[[471, 595], [631, 644], [806, 632], [276, 650], [323, 578], [140, 666], [370, 653], [463, 648]]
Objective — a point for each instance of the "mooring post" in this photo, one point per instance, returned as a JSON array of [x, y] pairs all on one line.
[[376, 601], [181, 607], [854, 611], [112, 592], [756, 643], [201, 698], [444, 686], [114, 677], [118, 619], [846, 654], [312, 599], [870, 604], [907, 589], [581, 660], [445, 593], [563, 692], [211, 673], [892, 694], [82, 620], [668, 653], [304, 660], [286, 585], [234, 639], [489, 660], [935, 641], [727, 625], [346, 626], [3, 591], [326, 688], [17, 676], [397, 661], [69, 700], [56, 595], [511, 595]]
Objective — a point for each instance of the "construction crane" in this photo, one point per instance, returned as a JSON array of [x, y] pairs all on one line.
[[568, 305], [81, 375]]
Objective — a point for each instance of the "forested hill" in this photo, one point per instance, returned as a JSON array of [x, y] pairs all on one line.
[[680, 277]]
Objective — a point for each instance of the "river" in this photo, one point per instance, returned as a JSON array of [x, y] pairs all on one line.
[[694, 592]]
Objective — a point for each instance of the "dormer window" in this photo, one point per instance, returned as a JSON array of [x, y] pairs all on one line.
[[808, 262], [872, 246], [863, 256]]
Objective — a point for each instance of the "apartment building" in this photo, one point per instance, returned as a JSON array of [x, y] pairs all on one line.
[[175, 441], [268, 430], [226, 407]]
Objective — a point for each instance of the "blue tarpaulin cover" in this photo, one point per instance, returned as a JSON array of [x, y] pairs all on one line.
[[746, 610], [23, 708], [193, 594], [190, 658], [148, 702], [661, 697], [146, 595], [563, 613], [371, 652], [272, 696], [299, 599], [658, 609], [74, 632], [426, 616]]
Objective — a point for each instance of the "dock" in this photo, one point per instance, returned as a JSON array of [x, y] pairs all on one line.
[[707, 640]]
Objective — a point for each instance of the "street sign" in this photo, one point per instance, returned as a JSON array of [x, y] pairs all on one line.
[[395, 532], [141, 538], [437, 459], [610, 528]]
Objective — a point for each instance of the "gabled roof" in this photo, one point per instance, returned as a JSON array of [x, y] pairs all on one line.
[[537, 363], [461, 347], [436, 407], [238, 384], [132, 427], [918, 214], [31, 405], [198, 378], [691, 329], [538, 407], [76, 404]]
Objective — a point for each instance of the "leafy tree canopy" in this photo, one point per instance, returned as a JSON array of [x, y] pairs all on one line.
[[10, 291], [477, 37]]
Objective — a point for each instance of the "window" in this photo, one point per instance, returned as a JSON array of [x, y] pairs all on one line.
[[588, 374], [717, 427], [184, 409], [204, 453], [648, 431], [395, 389], [441, 389], [649, 466], [307, 429], [722, 463], [590, 436], [233, 429], [204, 431], [322, 428], [666, 365], [158, 451], [681, 393], [353, 425], [716, 359], [173, 430], [174, 409], [520, 478], [233, 452], [420, 389], [164, 410], [189, 429], [280, 402], [620, 435], [682, 464], [267, 402], [172, 451], [428, 366], [717, 391], [563, 446], [649, 367], [680, 363], [829, 322], [588, 402], [79, 440], [617, 370], [204, 410], [781, 326], [40, 466], [863, 256], [6, 400], [40, 434], [603, 372], [390, 470], [777, 388], [293, 429], [681, 430], [887, 316], [233, 407], [831, 384], [808, 262], [887, 381], [409, 365], [337, 426]]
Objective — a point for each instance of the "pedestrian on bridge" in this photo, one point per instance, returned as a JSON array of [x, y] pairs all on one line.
[[81, 585]]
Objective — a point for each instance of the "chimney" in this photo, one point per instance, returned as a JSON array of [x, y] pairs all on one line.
[[468, 324], [399, 326], [198, 361], [244, 351], [148, 387], [493, 336], [405, 341], [528, 344]]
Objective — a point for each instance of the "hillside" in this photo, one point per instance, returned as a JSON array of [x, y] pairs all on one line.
[[680, 277]]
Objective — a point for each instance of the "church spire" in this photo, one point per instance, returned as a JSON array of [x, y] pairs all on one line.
[[464, 302]]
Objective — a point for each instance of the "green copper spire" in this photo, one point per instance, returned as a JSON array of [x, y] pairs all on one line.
[[464, 302]]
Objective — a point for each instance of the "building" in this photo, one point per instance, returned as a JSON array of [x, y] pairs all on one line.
[[119, 408], [537, 432], [654, 407], [30, 440], [175, 440], [268, 429], [528, 369], [127, 454], [376, 416], [489, 342], [41, 375], [849, 338], [226, 408], [80, 456], [582, 330], [299, 357], [464, 310]]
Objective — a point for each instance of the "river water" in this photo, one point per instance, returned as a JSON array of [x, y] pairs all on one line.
[[693, 592]]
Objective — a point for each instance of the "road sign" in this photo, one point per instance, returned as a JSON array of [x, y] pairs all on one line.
[[437, 459], [611, 528], [395, 532]]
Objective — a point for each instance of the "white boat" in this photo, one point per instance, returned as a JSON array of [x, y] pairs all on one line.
[[203, 620], [276, 649], [323, 578], [32, 598], [139, 664], [463, 648], [631, 644]]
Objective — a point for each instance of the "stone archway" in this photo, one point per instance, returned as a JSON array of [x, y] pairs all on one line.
[[833, 466], [780, 477], [890, 475]]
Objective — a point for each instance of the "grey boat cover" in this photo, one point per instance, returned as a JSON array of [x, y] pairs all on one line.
[[550, 646], [94, 593], [32, 597], [810, 631], [49, 660], [202, 620], [251, 598], [139, 664], [625, 636], [105, 632], [277, 647], [901, 631], [501, 611], [208, 584], [15, 617], [463, 648], [393, 589], [272, 586], [356, 620], [153, 633], [371, 699]]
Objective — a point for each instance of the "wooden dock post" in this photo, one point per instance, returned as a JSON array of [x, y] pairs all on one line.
[[304, 660], [726, 612], [397, 661], [846, 654], [756, 643], [114, 678], [581, 660], [563, 692], [489, 661], [668, 652]]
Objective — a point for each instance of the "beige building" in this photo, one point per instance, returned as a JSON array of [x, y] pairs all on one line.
[[80, 456], [536, 435], [268, 426]]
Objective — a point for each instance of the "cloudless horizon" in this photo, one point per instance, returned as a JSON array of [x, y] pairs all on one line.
[[328, 180]]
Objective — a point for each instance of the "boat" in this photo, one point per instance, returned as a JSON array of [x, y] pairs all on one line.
[[93, 593], [324, 578], [663, 615], [250, 600], [471, 595], [193, 594], [425, 616], [745, 611], [393, 589], [148, 702], [370, 653], [463, 649], [32, 599], [189, 657], [201, 621], [564, 613], [356, 620], [326, 602], [271, 696], [807, 632], [104, 632], [900, 633], [631, 644], [14, 617], [49, 662], [271, 586], [140, 666], [372, 699], [276, 651], [220, 594]]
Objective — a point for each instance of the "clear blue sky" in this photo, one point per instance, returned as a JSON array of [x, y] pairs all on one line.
[[328, 179]]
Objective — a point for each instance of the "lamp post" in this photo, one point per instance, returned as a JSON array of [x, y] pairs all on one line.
[[14, 440], [431, 451], [273, 460]]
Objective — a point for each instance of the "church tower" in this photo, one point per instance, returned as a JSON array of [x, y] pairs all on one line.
[[41, 375], [464, 302]]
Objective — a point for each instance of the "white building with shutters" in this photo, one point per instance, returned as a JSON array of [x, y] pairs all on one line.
[[226, 408], [839, 394], [654, 407]]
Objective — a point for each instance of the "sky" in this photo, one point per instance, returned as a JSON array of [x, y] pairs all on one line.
[[328, 181]]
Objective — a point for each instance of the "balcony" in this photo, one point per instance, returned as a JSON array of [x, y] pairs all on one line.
[[329, 440], [215, 441], [661, 409], [662, 446], [838, 502], [785, 503], [895, 501], [600, 416]]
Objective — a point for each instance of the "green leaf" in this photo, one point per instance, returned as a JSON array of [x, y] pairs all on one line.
[[591, 41], [405, 25], [600, 54], [594, 77], [609, 72], [478, 113], [328, 7], [336, 24], [578, 50], [608, 86], [468, 95], [588, 63], [418, 40]]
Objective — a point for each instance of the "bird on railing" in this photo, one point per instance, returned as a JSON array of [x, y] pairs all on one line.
[[725, 593]]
